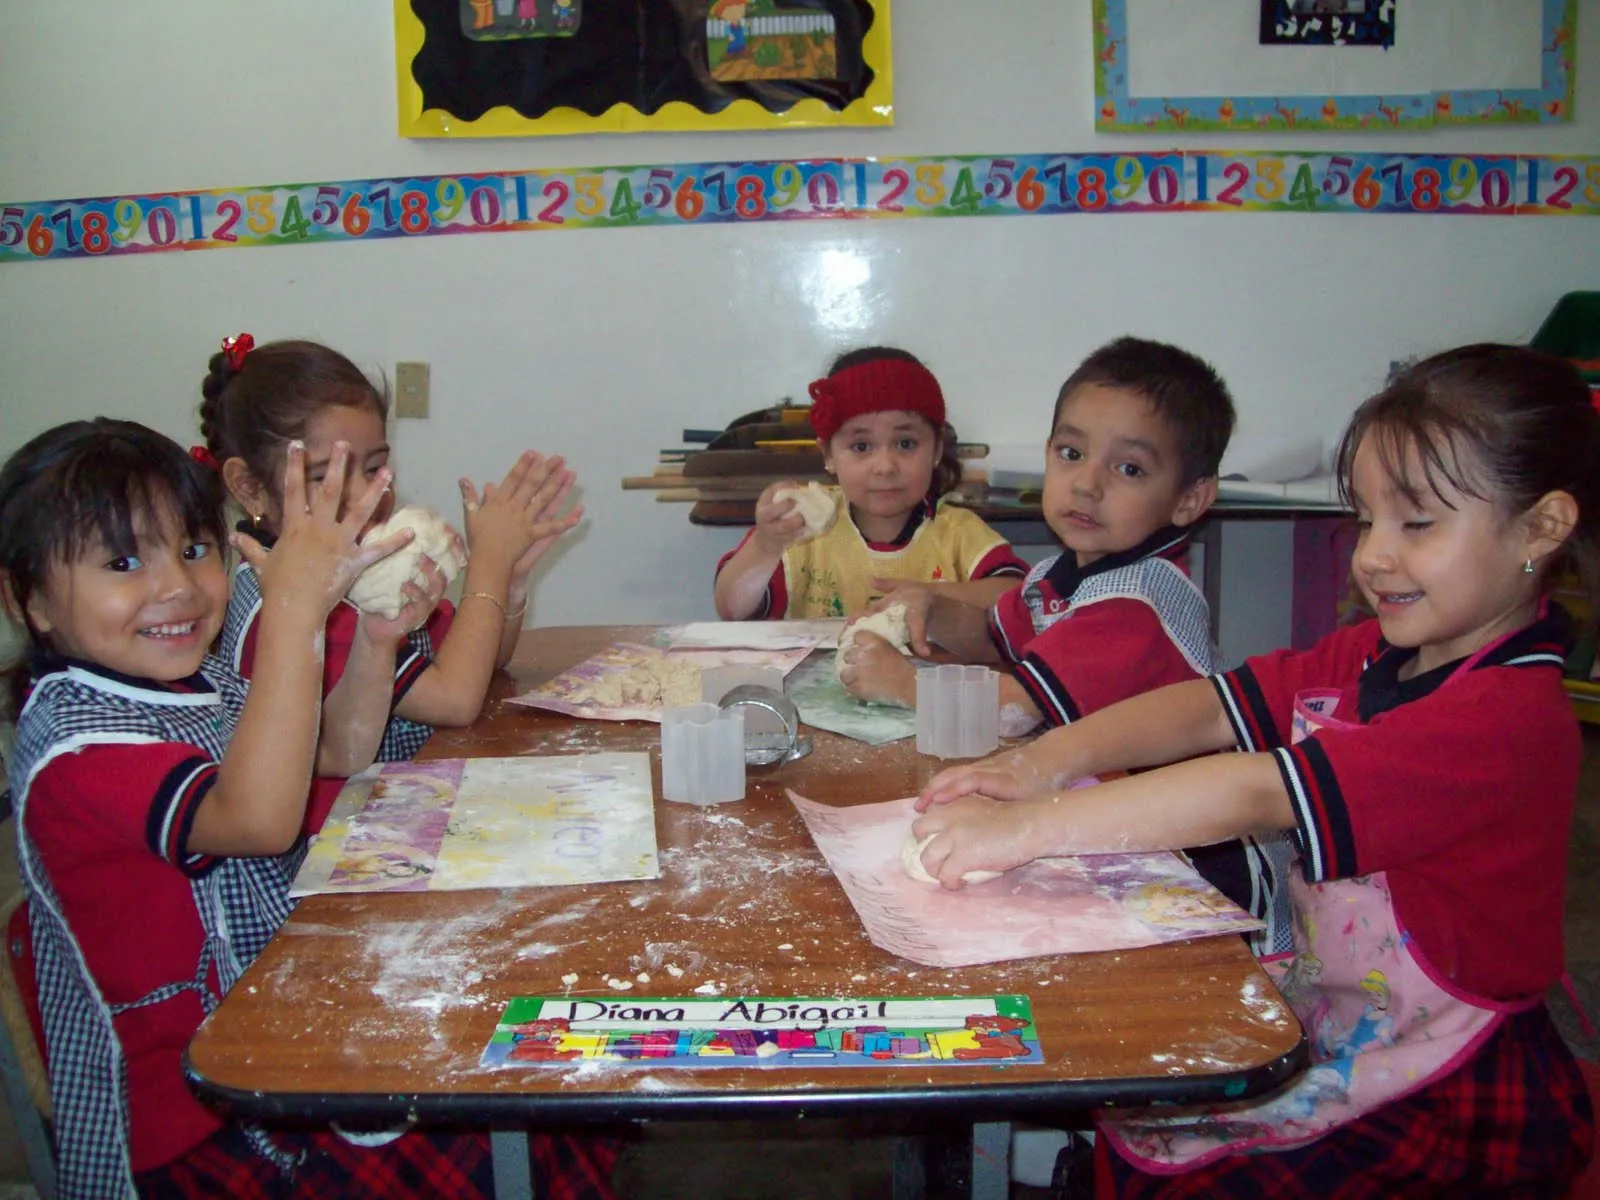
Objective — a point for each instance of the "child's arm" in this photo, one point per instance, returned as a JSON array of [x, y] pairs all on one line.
[[555, 485], [936, 613], [259, 798], [356, 710], [962, 629], [742, 582], [1196, 803], [1018, 712], [502, 527], [978, 592], [1170, 723]]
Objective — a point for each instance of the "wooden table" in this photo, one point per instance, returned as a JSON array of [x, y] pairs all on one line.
[[377, 1007]]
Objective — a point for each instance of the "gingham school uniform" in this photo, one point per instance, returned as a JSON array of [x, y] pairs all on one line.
[[402, 738], [135, 939], [1079, 639], [1082, 638], [1449, 796], [109, 917], [831, 576]]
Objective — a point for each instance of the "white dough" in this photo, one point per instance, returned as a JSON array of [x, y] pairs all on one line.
[[813, 502], [911, 860], [377, 590], [890, 625]]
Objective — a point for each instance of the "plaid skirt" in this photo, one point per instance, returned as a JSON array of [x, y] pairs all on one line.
[[422, 1165], [1515, 1121]]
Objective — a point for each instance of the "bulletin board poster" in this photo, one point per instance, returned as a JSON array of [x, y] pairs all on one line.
[[523, 68], [1181, 66]]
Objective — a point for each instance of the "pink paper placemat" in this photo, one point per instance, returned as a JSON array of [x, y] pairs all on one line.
[[1050, 906]]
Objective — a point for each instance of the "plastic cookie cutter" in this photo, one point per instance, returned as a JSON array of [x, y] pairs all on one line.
[[702, 754], [958, 710], [771, 725]]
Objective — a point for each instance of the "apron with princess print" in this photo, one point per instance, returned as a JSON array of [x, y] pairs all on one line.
[[1381, 1021]]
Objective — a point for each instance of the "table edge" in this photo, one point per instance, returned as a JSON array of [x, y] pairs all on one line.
[[521, 1108]]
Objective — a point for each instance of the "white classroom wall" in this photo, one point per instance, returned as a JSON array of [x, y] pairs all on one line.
[[605, 344]]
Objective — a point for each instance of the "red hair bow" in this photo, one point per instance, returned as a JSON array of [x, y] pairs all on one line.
[[234, 349], [204, 457]]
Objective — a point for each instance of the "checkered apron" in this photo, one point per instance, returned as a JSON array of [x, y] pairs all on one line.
[[401, 738], [241, 903]]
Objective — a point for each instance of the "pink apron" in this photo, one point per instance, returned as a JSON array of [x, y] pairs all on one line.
[[1380, 1021]]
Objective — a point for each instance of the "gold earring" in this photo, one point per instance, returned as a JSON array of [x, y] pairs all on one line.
[[1527, 567], [255, 520]]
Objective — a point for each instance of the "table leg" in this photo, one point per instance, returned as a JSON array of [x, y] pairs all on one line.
[[991, 1160], [910, 1178], [513, 1174]]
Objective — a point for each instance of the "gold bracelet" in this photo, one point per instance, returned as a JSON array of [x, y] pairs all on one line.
[[492, 600]]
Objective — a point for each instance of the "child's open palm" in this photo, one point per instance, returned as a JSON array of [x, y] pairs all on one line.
[[318, 555], [546, 507], [515, 522]]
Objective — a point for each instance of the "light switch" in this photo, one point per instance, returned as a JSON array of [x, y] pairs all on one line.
[[411, 389]]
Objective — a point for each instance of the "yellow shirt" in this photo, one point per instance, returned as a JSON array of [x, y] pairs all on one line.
[[831, 576]]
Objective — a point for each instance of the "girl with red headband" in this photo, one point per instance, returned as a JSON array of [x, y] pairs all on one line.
[[879, 418]]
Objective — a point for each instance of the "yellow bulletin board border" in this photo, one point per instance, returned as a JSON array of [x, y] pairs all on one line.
[[876, 107]]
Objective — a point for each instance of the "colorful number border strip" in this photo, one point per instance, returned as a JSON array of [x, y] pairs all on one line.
[[817, 189]]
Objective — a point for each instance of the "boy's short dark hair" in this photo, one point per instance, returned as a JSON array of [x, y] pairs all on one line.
[[1185, 391]]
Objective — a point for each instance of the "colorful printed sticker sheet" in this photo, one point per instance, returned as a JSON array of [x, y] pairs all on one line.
[[686, 194], [766, 1031]]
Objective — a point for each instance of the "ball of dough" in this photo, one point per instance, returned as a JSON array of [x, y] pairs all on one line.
[[890, 625], [377, 589], [911, 859], [813, 502]]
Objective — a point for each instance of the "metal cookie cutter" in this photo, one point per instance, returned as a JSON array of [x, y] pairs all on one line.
[[768, 741]]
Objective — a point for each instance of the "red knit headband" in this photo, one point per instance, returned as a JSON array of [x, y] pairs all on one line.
[[884, 385]]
